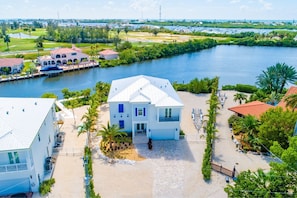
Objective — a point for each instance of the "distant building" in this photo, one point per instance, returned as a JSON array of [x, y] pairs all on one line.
[[147, 107], [28, 132], [63, 56], [11, 65], [108, 54]]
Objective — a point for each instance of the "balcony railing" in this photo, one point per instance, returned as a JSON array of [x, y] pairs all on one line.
[[169, 119], [13, 167]]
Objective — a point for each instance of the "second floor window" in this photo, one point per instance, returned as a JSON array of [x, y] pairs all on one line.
[[13, 157], [121, 108], [139, 111], [168, 113]]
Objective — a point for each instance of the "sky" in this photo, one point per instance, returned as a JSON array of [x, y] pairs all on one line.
[[150, 9]]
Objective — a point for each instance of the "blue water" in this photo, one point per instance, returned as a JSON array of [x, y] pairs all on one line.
[[233, 64]]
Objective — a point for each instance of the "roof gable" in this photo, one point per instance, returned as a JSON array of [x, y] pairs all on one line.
[[142, 88], [291, 90], [9, 62]]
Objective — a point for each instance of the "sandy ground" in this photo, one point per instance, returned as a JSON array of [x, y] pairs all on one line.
[[172, 171]]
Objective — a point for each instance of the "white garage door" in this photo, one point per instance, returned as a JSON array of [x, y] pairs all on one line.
[[15, 186], [163, 135]]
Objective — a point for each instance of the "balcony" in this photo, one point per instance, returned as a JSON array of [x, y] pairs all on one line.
[[169, 119], [13, 167]]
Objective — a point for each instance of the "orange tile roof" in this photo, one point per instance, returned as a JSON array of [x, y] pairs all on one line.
[[108, 52], [255, 108], [9, 62], [291, 90]]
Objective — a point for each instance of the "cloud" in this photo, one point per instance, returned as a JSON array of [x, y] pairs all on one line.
[[234, 1], [244, 8], [266, 5], [142, 5]]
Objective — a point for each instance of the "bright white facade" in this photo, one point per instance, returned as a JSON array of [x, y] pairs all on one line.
[[145, 106], [28, 132]]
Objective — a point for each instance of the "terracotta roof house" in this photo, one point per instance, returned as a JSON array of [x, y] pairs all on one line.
[[255, 108], [282, 103], [13, 65], [146, 107], [63, 56], [28, 134], [108, 54]]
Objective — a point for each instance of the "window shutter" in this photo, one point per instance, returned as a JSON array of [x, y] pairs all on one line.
[[135, 111], [143, 111]]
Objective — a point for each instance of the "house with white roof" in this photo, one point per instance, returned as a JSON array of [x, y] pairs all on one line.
[[146, 107], [63, 56], [28, 132]]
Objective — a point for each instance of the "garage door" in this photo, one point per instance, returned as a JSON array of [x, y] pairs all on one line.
[[8, 187], [163, 135]]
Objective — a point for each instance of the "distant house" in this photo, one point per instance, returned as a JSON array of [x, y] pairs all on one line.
[[28, 133], [63, 56], [146, 107], [282, 103], [108, 54], [11, 65]]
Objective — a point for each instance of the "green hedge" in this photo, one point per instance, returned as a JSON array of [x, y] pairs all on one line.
[[45, 186], [241, 88]]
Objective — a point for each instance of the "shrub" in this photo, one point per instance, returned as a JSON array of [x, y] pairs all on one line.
[[246, 88], [45, 186]]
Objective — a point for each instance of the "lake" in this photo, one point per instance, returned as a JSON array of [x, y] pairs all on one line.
[[233, 64]]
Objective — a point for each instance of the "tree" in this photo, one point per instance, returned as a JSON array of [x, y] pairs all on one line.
[[155, 31], [277, 125], [110, 133], [39, 44], [275, 183], [273, 98], [276, 77], [49, 95], [6, 40], [291, 101], [126, 30], [240, 97], [90, 118]]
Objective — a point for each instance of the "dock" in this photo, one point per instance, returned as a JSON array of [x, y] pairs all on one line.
[[68, 68]]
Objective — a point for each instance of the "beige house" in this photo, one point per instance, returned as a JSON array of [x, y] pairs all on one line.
[[108, 54], [63, 56], [11, 65]]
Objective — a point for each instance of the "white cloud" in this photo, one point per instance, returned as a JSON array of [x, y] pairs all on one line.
[[110, 3], [234, 1], [266, 5], [244, 8], [142, 5]]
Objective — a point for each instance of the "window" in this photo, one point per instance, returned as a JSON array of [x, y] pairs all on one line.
[[121, 108], [38, 137], [168, 113], [121, 124], [140, 112], [73, 54], [13, 157]]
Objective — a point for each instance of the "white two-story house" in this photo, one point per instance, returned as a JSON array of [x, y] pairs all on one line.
[[28, 132], [145, 106]]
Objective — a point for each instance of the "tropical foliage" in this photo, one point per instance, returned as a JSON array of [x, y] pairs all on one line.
[[240, 97], [210, 130], [276, 77], [291, 101], [196, 86]]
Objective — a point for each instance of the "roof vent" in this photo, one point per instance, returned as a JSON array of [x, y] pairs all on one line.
[[7, 112], [23, 110], [35, 103]]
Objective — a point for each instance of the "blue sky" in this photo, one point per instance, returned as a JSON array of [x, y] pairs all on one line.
[[149, 9]]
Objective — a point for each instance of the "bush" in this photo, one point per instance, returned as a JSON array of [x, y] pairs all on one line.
[[246, 88], [232, 120], [45, 186]]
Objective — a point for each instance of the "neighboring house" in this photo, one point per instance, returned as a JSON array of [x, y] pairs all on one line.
[[28, 132], [108, 54], [147, 107], [11, 65], [255, 108], [63, 56]]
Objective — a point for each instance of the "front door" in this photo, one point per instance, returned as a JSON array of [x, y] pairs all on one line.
[[140, 129]]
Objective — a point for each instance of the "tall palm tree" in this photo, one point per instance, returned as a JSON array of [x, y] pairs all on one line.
[[6, 39], [89, 123], [240, 97], [291, 101], [110, 133]]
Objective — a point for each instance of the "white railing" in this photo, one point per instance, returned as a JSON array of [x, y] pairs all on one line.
[[13, 167]]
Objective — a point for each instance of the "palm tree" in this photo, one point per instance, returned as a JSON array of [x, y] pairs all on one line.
[[291, 101], [126, 31], [273, 98], [240, 97], [6, 39], [110, 133], [276, 77]]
